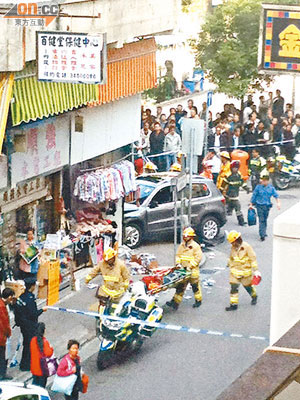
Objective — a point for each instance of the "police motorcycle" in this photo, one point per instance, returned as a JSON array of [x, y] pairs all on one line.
[[122, 335], [283, 171]]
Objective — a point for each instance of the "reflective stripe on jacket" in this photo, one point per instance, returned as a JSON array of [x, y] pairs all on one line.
[[189, 256], [242, 261]]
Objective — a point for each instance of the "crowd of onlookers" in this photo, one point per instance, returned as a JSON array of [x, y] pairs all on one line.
[[256, 126]]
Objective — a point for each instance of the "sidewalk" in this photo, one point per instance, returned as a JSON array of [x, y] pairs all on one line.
[[62, 326]]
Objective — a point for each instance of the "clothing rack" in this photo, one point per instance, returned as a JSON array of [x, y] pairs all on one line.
[[108, 165]]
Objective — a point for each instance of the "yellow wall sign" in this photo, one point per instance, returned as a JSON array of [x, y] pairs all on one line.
[[53, 283], [280, 39]]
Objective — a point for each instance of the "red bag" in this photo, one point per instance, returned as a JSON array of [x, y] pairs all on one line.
[[85, 382]]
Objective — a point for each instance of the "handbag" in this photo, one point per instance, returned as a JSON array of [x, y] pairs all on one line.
[[251, 216], [49, 366], [64, 384]]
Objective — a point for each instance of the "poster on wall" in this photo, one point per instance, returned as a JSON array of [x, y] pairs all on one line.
[[39, 148], [71, 57], [279, 49]]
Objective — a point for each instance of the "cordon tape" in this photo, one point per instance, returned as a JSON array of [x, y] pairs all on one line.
[[160, 325]]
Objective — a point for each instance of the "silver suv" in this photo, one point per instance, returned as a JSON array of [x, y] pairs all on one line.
[[155, 215]]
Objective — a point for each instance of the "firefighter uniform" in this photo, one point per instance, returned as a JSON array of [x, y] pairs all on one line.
[[189, 255], [230, 189], [115, 279], [225, 169], [256, 166], [242, 263]]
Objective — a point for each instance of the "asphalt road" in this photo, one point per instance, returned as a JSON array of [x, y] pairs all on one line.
[[174, 365]]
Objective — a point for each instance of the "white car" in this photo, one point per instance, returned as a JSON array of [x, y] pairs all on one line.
[[22, 391]]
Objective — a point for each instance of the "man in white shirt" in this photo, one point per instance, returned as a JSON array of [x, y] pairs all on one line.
[[172, 144]]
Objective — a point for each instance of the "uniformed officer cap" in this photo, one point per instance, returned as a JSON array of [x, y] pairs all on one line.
[[30, 281]]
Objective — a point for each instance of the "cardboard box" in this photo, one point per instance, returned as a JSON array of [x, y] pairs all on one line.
[[153, 265], [17, 286], [43, 292], [42, 274]]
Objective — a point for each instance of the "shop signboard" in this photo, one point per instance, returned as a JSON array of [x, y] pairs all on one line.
[[71, 57], [53, 283], [40, 148], [279, 49]]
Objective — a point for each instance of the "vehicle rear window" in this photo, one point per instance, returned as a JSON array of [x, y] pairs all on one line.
[[198, 190]]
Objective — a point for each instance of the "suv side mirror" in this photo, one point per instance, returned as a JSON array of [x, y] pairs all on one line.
[[153, 204]]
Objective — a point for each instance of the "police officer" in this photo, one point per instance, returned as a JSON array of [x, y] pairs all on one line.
[[26, 317], [242, 264], [189, 255], [115, 276], [256, 166]]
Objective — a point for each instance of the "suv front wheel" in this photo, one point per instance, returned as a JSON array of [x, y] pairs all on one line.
[[209, 228], [133, 235]]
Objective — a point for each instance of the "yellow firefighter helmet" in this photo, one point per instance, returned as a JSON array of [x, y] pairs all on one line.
[[176, 167], [109, 253], [225, 154], [149, 165], [233, 236], [189, 232]]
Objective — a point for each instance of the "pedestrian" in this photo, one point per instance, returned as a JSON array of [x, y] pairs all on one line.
[[256, 166], [242, 263], [189, 255], [194, 113], [39, 348], [278, 105], [225, 168], [173, 146], [6, 298], [157, 140], [115, 277], [261, 199], [69, 365], [236, 139], [26, 317], [230, 188], [288, 147], [28, 269]]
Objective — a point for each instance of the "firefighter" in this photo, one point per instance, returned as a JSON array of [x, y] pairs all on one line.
[[189, 255], [115, 277], [256, 166], [176, 167], [230, 189], [225, 168], [150, 167], [242, 264]]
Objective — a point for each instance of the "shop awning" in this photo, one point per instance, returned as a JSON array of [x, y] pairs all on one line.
[[34, 99], [6, 84], [130, 70]]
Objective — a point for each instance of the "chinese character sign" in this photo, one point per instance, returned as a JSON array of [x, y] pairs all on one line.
[[47, 148], [71, 57], [280, 39]]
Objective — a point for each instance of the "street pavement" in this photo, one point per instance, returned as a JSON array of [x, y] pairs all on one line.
[[174, 365]]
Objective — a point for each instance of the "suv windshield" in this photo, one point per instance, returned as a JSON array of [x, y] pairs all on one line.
[[145, 190]]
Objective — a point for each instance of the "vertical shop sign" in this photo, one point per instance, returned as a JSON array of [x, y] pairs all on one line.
[[53, 283], [71, 57], [46, 148]]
